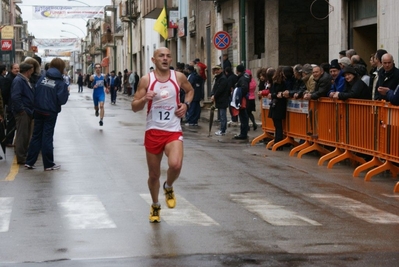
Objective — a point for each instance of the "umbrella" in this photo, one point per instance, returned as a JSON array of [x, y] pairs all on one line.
[[3, 138], [211, 115]]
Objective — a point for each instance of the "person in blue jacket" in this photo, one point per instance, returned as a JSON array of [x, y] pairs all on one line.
[[391, 95], [51, 92]]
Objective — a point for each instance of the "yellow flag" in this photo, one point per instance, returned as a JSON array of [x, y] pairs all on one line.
[[161, 25]]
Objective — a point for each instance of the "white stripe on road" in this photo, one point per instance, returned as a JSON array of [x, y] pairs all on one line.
[[357, 209], [183, 214], [85, 212], [269, 212], [5, 213]]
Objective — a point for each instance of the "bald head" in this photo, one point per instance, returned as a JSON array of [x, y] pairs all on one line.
[[162, 59], [387, 61]]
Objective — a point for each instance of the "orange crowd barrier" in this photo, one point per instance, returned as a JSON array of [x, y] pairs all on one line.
[[363, 131]]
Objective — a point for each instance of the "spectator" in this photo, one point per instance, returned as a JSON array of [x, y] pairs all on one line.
[[391, 95], [278, 104], [298, 87], [342, 53], [374, 76], [337, 78], [131, 83], [201, 68], [50, 93], [243, 84], [344, 62], [307, 78], [125, 80], [251, 105], [231, 81], [220, 96], [322, 86], [113, 83], [226, 62], [354, 86], [80, 83], [388, 76], [351, 52], [362, 72], [6, 93], [194, 112], [22, 98], [34, 78], [120, 80]]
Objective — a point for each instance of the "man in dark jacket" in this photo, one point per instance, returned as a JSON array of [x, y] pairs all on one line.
[[220, 96], [50, 94], [243, 83], [322, 86], [194, 112], [6, 93], [22, 99], [113, 85], [388, 76]]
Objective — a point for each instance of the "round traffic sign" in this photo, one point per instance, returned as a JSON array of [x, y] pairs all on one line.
[[221, 40]]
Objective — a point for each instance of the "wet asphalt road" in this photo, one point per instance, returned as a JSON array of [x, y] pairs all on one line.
[[237, 205]]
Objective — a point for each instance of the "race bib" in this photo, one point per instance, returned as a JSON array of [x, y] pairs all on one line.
[[163, 113]]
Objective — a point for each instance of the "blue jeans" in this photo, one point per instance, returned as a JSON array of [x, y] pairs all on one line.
[[42, 140], [223, 119], [113, 90], [243, 115], [194, 112]]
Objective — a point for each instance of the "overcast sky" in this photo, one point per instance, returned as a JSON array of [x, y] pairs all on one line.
[[52, 28]]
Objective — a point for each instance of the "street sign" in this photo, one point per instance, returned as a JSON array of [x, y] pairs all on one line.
[[221, 40], [7, 32], [6, 45]]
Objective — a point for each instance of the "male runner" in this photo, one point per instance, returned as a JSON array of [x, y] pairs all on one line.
[[99, 89]]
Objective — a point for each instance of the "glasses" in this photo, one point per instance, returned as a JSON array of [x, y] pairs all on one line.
[[98, 67]]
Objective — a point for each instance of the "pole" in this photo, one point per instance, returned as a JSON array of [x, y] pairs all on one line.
[[242, 33], [113, 3], [165, 4]]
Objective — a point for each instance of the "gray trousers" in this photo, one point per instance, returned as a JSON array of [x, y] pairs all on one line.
[[24, 125]]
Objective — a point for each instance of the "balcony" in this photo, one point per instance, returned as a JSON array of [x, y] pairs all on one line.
[[129, 10], [94, 50], [107, 38], [152, 8]]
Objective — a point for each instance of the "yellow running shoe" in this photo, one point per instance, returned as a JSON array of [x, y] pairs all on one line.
[[169, 196], [155, 214]]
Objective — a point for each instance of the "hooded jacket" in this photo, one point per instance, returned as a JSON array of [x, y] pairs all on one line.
[[51, 93]]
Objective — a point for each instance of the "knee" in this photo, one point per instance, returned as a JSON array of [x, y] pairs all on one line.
[[175, 166]]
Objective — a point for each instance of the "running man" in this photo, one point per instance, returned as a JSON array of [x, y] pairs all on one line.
[[99, 88], [161, 89]]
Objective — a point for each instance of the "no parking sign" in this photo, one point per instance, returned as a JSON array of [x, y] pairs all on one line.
[[221, 40]]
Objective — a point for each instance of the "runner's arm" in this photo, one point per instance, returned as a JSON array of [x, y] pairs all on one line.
[[140, 97]]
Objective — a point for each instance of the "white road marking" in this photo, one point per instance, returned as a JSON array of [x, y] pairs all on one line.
[[183, 214], [357, 209], [85, 212], [5, 213], [269, 212]]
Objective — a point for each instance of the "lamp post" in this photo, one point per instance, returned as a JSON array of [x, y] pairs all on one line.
[[79, 2], [71, 33], [66, 23]]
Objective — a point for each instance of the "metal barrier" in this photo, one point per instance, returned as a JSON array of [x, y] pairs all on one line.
[[363, 131]]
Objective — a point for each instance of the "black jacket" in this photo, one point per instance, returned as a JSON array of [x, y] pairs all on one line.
[[198, 85], [221, 92], [388, 79], [278, 106], [322, 86], [355, 89]]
